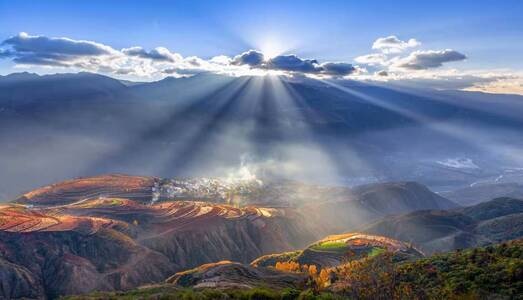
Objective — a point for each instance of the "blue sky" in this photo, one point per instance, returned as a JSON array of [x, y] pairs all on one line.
[[489, 33]]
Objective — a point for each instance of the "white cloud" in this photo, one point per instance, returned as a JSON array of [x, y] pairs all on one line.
[[422, 60], [372, 59], [391, 62], [157, 54], [392, 44]]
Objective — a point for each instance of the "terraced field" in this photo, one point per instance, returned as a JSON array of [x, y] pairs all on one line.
[[114, 185], [333, 250], [103, 233], [16, 218]]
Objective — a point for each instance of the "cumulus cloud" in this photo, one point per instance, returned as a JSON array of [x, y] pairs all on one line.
[[337, 69], [392, 44], [292, 63], [251, 58], [388, 62], [157, 54], [372, 59], [41, 50], [422, 60]]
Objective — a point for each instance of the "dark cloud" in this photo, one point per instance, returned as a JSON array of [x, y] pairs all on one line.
[[421, 60], [24, 44], [294, 64], [41, 50], [337, 69], [5, 53], [251, 58], [158, 54], [382, 73]]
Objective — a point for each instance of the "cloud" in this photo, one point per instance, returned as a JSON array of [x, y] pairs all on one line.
[[41, 50], [157, 54], [422, 60], [372, 59], [388, 63], [251, 58], [392, 44], [337, 69], [292, 63], [5, 53]]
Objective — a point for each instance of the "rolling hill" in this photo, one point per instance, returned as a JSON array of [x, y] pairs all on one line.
[[113, 232], [115, 243], [443, 230]]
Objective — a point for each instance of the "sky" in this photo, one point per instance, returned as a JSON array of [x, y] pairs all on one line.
[[471, 44]]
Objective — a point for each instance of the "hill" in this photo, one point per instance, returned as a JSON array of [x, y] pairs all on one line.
[[484, 192], [337, 249], [436, 230], [371, 202], [118, 243], [492, 272]]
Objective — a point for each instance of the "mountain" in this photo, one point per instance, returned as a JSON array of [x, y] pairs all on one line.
[[117, 231], [337, 208], [117, 243], [370, 202], [226, 274], [491, 272], [483, 192], [137, 188], [291, 128], [23, 89], [337, 249], [287, 272], [443, 230]]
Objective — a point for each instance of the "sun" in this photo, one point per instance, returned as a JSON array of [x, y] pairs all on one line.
[[271, 48]]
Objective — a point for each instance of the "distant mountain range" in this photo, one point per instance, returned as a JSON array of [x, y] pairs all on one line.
[[336, 132], [489, 222]]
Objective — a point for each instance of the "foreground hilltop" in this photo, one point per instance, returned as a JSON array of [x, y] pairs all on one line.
[[492, 272], [336, 249]]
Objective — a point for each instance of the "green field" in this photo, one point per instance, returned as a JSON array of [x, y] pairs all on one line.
[[376, 251], [330, 246]]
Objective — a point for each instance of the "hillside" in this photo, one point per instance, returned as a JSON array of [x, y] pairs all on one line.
[[371, 202], [493, 272], [119, 231], [115, 243], [337, 249], [484, 192], [437, 230]]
